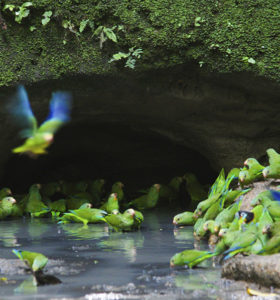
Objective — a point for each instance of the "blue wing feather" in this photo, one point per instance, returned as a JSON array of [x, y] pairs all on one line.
[[60, 106], [20, 108], [275, 195]]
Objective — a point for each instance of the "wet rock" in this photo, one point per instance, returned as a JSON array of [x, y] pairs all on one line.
[[264, 270], [57, 267]]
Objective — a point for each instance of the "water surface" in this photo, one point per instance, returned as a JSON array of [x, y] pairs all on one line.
[[95, 263]]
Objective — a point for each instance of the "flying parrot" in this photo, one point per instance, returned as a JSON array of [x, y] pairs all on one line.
[[39, 138]]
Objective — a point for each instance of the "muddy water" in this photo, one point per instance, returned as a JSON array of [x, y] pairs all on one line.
[[95, 263]]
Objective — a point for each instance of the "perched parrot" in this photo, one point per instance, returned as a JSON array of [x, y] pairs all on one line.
[[233, 194], [34, 202], [218, 185], [57, 207], [209, 226], [273, 170], [35, 261], [138, 219], [85, 215], [273, 244], [6, 207], [111, 204], [204, 205], [194, 188], [185, 218], [233, 172], [254, 168], [226, 216], [148, 200], [244, 241], [5, 192], [121, 222], [190, 258], [117, 187], [38, 139]]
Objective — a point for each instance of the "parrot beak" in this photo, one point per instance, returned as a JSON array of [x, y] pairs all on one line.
[[172, 264], [174, 222], [216, 229], [220, 234], [205, 228], [246, 162], [13, 200]]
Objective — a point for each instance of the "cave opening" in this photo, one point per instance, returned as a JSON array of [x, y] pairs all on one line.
[[113, 151]]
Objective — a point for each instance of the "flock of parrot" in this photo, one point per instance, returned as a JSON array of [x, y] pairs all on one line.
[[216, 213], [231, 230]]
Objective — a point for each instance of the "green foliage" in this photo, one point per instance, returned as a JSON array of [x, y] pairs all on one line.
[[130, 57], [46, 17], [20, 12], [219, 35]]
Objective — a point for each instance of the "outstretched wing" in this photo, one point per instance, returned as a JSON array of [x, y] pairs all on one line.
[[19, 107], [60, 106]]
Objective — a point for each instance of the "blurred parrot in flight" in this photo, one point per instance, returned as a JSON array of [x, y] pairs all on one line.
[[39, 138]]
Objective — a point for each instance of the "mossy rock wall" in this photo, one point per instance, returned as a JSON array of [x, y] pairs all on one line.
[[225, 36]]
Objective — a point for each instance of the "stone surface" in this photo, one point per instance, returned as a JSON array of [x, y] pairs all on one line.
[[264, 270], [166, 122]]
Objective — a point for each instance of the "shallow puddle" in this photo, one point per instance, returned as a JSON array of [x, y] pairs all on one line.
[[95, 263]]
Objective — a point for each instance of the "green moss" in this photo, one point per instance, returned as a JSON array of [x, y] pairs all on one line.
[[226, 32]]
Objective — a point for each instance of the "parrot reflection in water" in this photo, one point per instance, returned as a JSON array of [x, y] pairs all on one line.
[[39, 138]]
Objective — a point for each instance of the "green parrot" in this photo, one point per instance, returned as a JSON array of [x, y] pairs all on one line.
[[185, 218], [96, 189], [39, 138], [218, 185], [5, 192], [226, 216], [204, 205], [198, 224], [257, 211], [273, 170], [148, 200], [254, 167], [244, 241], [190, 258], [34, 202], [58, 206], [85, 215], [111, 204], [138, 219], [264, 196], [117, 188], [194, 189], [273, 244], [233, 172], [233, 194], [209, 226], [35, 261], [121, 222], [6, 207], [199, 231], [17, 211], [49, 189]]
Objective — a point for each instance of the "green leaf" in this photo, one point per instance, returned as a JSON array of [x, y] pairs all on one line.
[[110, 34], [251, 61], [83, 25], [64, 42], [47, 14], [32, 28], [98, 30], [65, 23], [27, 4], [91, 24], [45, 21], [10, 7]]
